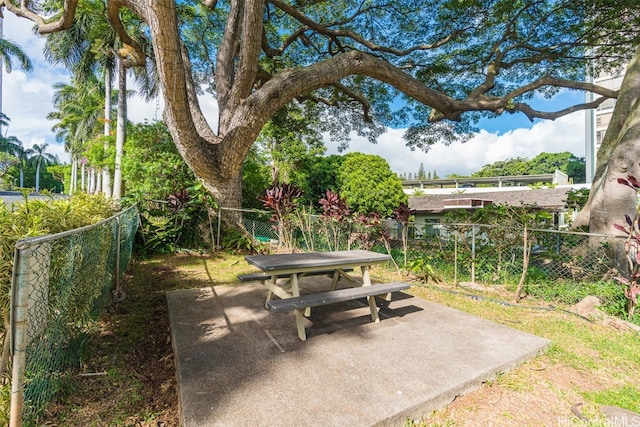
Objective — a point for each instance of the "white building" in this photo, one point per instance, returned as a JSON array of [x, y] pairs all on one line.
[[597, 120]]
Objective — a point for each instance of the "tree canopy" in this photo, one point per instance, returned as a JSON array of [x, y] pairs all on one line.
[[448, 62], [543, 163], [153, 169], [368, 185]]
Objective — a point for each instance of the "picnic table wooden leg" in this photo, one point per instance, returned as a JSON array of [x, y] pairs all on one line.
[[295, 290], [366, 281], [336, 278], [269, 291]]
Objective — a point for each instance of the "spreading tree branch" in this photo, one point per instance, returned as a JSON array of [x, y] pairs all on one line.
[[131, 52], [43, 26], [335, 34]]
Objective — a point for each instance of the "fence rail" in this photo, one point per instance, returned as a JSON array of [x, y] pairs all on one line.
[[60, 284], [558, 262]]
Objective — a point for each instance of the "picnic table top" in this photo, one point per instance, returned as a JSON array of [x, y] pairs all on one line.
[[310, 260]]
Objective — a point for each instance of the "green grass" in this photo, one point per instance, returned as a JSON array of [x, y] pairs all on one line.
[[627, 397]]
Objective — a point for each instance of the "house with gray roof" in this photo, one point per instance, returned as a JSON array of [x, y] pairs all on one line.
[[432, 207]]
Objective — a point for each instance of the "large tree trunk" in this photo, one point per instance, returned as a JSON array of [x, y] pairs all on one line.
[[612, 201], [617, 158], [244, 109]]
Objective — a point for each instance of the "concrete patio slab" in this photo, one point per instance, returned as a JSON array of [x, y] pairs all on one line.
[[240, 365]]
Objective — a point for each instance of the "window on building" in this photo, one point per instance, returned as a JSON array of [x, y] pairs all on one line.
[[607, 105]]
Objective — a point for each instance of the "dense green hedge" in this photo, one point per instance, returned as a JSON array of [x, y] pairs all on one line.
[[38, 217]]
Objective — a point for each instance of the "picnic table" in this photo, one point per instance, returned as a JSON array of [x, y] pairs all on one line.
[[291, 267]]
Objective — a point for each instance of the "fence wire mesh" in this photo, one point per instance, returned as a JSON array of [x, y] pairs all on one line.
[[61, 283], [305, 232], [560, 262], [495, 255]]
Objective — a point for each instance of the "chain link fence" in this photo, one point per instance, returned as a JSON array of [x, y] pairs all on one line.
[[306, 232], [493, 254], [561, 265], [60, 284], [255, 222]]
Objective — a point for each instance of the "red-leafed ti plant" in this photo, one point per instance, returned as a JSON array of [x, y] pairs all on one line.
[[335, 214], [282, 200], [632, 230]]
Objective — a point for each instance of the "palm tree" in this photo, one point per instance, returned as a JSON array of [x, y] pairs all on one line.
[[4, 120], [12, 148], [85, 50], [39, 155], [91, 45], [9, 50], [9, 150], [10, 145], [78, 113]]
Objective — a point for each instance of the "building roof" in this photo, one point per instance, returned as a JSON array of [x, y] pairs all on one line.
[[548, 198], [557, 177]]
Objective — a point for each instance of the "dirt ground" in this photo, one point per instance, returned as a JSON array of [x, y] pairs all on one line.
[[130, 378]]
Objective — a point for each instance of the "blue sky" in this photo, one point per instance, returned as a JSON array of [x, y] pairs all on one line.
[[27, 100]]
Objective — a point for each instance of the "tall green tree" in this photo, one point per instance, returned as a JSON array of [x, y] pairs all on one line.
[[78, 112], [86, 50], [11, 152], [12, 146], [92, 47], [289, 139], [10, 149], [315, 175], [6, 161], [256, 178], [39, 156], [422, 174], [368, 185], [152, 168], [452, 61]]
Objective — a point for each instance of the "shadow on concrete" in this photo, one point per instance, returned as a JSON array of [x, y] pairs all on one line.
[[238, 364]]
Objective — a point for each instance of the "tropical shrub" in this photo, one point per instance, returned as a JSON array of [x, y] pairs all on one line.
[[37, 217], [173, 205], [180, 221]]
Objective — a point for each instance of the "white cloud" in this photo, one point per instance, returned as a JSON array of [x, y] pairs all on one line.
[[564, 134], [26, 97]]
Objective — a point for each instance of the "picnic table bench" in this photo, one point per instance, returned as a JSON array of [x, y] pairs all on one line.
[[340, 263], [338, 295]]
